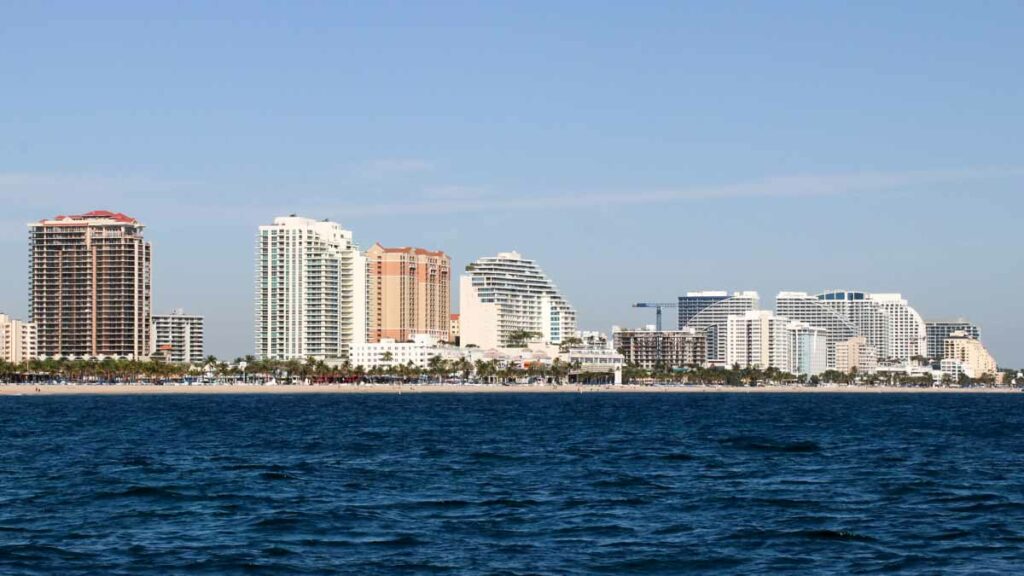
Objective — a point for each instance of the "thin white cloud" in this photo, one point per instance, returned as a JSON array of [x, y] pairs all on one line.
[[44, 190], [395, 166], [773, 187]]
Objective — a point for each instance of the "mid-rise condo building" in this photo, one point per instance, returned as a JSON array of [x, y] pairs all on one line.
[[505, 295], [409, 292], [939, 330], [310, 290], [89, 286], [17, 340], [708, 312], [666, 349], [178, 337], [856, 354]]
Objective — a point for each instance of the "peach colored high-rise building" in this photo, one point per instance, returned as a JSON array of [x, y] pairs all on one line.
[[408, 292]]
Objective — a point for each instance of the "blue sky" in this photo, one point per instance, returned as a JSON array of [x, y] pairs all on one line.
[[636, 150]]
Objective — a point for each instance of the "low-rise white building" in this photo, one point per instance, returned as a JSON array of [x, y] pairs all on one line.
[[388, 352]]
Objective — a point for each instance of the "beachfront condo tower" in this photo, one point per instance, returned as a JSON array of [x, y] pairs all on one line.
[[708, 311], [409, 292], [505, 295], [89, 286], [310, 290]]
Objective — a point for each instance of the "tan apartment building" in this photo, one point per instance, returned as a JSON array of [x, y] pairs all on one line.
[[89, 286], [17, 340], [408, 292], [454, 329], [974, 360]]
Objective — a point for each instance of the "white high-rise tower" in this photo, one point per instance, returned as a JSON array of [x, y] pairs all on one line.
[[310, 290]]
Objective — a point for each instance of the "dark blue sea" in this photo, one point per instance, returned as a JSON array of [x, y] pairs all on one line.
[[512, 484]]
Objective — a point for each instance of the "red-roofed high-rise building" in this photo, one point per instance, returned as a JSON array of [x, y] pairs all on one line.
[[89, 286]]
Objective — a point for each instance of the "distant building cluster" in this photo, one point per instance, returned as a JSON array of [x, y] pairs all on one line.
[[319, 296], [839, 330]]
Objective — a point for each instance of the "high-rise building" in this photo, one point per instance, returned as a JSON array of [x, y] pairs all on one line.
[[505, 294], [708, 311], [310, 290], [856, 353], [808, 351], [178, 337], [810, 309], [973, 359], [17, 340], [758, 339], [89, 286], [665, 349], [888, 322], [939, 330], [762, 339], [409, 292]]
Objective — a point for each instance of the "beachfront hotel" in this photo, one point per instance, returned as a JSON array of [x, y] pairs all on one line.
[[505, 294], [17, 340], [89, 286], [408, 292], [887, 321], [178, 337], [310, 290], [708, 312]]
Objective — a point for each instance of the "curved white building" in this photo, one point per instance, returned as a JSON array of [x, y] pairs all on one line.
[[708, 312], [887, 321], [504, 294]]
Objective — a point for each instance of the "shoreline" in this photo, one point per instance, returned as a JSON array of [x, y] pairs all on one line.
[[152, 389]]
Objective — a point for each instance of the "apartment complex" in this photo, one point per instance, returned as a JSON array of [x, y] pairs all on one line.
[[89, 286], [310, 290], [505, 294], [887, 321], [666, 349], [939, 330], [408, 292], [708, 312], [178, 337], [17, 340]]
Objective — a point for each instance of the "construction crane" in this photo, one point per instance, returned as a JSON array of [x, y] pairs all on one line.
[[657, 308]]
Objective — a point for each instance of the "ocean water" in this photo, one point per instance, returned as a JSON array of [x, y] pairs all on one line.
[[512, 484]]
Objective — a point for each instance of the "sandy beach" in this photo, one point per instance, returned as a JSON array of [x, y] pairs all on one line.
[[125, 389]]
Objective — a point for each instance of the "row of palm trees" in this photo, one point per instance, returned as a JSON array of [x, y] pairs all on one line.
[[251, 369], [751, 376]]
